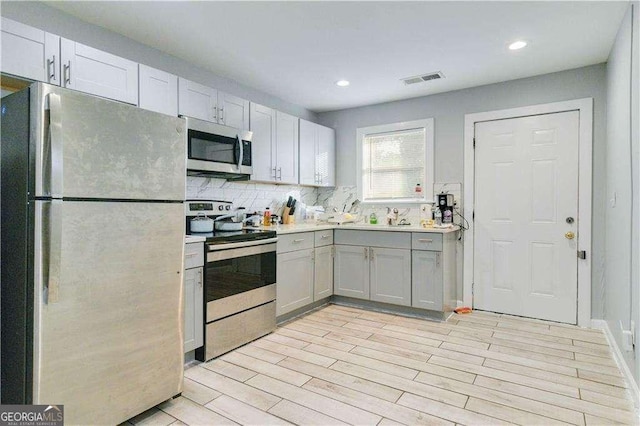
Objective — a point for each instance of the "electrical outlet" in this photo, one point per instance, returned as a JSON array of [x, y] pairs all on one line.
[[628, 337]]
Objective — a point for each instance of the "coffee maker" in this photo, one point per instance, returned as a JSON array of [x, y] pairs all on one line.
[[445, 203]]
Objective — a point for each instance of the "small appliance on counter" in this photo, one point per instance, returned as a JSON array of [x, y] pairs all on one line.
[[446, 205], [239, 279]]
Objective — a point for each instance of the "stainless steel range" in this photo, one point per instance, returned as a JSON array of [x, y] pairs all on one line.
[[240, 282]]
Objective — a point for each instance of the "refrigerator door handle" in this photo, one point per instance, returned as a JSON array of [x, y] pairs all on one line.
[[55, 144], [52, 283]]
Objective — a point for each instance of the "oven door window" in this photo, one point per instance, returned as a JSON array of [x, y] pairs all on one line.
[[227, 277], [216, 148]]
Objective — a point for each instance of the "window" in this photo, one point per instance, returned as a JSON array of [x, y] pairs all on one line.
[[393, 159]]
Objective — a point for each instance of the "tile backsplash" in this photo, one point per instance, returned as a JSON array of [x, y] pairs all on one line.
[[253, 196]]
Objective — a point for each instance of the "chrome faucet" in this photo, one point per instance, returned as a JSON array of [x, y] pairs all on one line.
[[392, 216]]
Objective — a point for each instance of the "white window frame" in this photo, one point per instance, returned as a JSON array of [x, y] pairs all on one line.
[[429, 162]]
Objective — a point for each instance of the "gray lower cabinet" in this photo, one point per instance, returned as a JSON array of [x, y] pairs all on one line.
[[193, 296], [193, 309], [295, 275], [323, 273], [433, 271], [426, 271], [390, 275], [351, 271]]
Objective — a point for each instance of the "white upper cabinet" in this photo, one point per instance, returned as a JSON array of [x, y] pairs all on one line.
[[99, 73], [317, 154], [286, 148], [30, 53], [158, 91], [274, 145], [197, 101], [205, 103], [233, 111], [262, 123]]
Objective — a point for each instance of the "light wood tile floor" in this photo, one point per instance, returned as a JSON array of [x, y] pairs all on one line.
[[341, 365]]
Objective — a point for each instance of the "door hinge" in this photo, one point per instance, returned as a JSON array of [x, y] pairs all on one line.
[[474, 143], [473, 215], [582, 254], [473, 288]]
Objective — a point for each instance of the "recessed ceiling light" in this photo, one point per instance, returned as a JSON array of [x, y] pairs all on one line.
[[517, 45], [342, 83]]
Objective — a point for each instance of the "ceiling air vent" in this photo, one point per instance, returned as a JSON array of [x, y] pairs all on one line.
[[421, 78]]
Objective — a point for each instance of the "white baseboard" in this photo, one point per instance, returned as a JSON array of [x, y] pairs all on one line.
[[622, 365]]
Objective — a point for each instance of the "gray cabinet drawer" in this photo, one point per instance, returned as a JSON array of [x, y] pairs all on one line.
[[426, 241], [324, 238], [298, 241], [388, 239], [193, 255]]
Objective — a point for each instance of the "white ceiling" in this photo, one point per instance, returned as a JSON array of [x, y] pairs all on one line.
[[297, 50]]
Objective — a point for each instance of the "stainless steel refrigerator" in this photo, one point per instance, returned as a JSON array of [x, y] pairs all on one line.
[[92, 254]]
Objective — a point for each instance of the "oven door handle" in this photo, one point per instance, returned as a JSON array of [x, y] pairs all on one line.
[[243, 244]]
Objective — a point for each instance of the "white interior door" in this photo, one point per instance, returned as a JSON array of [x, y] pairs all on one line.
[[526, 200]]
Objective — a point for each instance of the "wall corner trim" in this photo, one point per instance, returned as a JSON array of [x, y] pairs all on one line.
[[634, 390]]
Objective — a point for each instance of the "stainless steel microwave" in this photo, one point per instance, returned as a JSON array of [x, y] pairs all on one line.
[[217, 150]]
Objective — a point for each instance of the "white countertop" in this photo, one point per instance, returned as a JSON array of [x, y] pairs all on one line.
[[308, 227], [193, 239]]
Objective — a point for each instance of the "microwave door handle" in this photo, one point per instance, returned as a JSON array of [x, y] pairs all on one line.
[[240, 157]]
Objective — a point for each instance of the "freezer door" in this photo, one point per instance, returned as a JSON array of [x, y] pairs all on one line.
[[109, 344], [90, 147]]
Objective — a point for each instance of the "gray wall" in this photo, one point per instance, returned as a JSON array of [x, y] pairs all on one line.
[[621, 243], [448, 110], [54, 21]]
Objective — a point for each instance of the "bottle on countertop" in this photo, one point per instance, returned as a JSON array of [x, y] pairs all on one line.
[[418, 190], [266, 221], [373, 218]]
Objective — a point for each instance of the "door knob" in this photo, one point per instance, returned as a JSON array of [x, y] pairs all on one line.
[[569, 235]]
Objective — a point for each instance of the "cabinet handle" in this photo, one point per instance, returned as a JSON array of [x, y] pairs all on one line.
[[51, 64], [214, 113], [67, 73], [280, 172], [437, 259], [372, 254], [222, 115], [366, 253], [324, 237], [298, 240], [425, 240], [275, 175], [190, 254], [200, 277]]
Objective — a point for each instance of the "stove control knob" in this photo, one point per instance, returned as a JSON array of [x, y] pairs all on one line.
[[227, 207], [220, 207]]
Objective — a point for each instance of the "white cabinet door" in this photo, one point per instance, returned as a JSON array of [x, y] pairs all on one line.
[[323, 281], [351, 271], [426, 281], [294, 280], [326, 156], [262, 122], [286, 148], [158, 91], [308, 150], [390, 277], [30, 53], [99, 73], [233, 111], [197, 101], [193, 309]]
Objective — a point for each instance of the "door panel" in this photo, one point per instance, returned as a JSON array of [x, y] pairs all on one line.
[[326, 156], [158, 91], [114, 335], [323, 272], [233, 111], [197, 101], [526, 186], [426, 279], [262, 123], [295, 280], [116, 151], [351, 271], [286, 148], [308, 150], [391, 275]]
